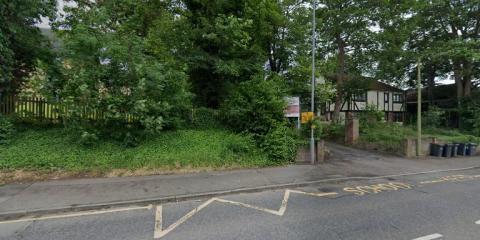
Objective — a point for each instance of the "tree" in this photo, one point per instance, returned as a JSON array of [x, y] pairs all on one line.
[[229, 44], [120, 61], [21, 43], [346, 32], [454, 26]]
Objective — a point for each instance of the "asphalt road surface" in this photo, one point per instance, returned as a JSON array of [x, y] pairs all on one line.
[[421, 207]]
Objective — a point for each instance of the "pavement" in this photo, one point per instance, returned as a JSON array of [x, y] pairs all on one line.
[[20, 200], [430, 206]]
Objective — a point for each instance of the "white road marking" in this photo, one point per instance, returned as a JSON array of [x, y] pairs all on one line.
[[79, 214], [477, 222], [159, 232], [430, 237]]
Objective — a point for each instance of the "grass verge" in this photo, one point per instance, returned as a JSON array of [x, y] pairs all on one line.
[[54, 150]]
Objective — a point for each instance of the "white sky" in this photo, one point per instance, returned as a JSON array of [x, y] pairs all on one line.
[[45, 21]]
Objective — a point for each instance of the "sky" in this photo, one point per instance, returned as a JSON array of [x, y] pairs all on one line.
[[45, 21]]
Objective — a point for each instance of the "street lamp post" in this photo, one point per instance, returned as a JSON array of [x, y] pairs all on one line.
[[312, 137], [419, 107]]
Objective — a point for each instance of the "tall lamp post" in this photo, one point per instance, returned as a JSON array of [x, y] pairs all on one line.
[[419, 107], [312, 137]]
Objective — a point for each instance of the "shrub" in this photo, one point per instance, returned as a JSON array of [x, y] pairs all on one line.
[[205, 118], [370, 116], [88, 138], [434, 117], [470, 114], [6, 130], [280, 144], [333, 131], [256, 107], [317, 126]]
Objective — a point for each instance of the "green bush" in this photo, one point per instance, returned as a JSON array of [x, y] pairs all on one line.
[[317, 126], [280, 144], [470, 114], [256, 107], [205, 118], [434, 117], [6, 130], [370, 116], [333, 131]]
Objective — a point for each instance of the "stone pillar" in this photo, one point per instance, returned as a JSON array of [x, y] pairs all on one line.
[[321, 151], [351, 129]]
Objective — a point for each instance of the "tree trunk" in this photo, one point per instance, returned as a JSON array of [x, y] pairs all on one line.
[[340, 79], [467, 79], [458, 80], [431, 84]]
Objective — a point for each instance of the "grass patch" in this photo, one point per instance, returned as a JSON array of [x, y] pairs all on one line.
[[390, 136], [56, 150]]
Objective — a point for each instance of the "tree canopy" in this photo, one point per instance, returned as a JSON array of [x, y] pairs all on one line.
[[21, 43]]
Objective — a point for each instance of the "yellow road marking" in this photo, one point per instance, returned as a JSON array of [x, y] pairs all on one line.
[[159, 232], [378, 188], [452, 178]]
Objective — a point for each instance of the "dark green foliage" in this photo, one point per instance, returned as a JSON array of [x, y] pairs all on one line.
[[6, 130], [280, 143], [122, 69], [333, 131], [205, 118], [256, 107], [229, 44], [434, 117], [21, 42], [470, 114]]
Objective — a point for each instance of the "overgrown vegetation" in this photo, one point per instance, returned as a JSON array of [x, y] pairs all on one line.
[[389, 137], [371, 116], [256, 107], [470, 114], [56, 149], [6, 130], [135, 73]]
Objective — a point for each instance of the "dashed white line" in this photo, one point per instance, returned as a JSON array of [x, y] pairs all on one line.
[[430, 237], [79, 214], [159, 232], [477, 222]]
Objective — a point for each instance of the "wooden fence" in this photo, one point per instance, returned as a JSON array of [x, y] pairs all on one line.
[[45, 110]]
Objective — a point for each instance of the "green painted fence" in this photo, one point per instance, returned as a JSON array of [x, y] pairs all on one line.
[[32, 109]]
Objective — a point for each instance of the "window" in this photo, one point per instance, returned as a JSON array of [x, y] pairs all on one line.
[[386, 97], [398, 98], [362, 97]]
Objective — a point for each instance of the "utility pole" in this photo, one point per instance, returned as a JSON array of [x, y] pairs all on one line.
[[312, 137], [419, 107]]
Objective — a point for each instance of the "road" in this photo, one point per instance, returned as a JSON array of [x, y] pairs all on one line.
[[420, 207]]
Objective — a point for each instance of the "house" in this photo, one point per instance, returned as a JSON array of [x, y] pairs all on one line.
[[440, 96], [381, 96]]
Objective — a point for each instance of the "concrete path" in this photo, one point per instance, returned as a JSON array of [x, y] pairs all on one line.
[[82, 194]]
